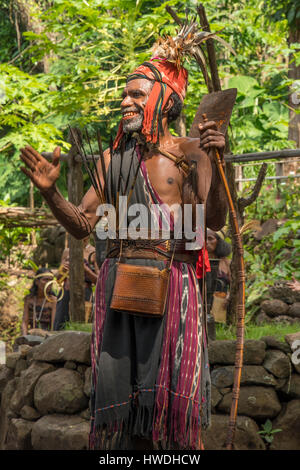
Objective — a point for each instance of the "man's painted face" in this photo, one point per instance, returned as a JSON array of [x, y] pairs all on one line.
[[135, 97]]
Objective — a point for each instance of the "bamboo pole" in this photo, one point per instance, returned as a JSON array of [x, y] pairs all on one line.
[[257, 156], [270, 178], [239, 158]]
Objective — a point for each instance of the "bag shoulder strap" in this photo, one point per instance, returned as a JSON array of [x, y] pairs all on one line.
[[180, 161]]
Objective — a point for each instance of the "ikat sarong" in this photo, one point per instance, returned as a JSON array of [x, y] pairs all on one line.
[[150, 376]]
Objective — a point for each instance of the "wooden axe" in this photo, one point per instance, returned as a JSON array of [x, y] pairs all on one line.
[[217, 106]]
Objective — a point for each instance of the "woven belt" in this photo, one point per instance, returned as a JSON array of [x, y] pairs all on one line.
[[151, 249]]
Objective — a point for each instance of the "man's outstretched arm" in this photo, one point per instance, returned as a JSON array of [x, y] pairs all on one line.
[[78, 221], [74, 219]]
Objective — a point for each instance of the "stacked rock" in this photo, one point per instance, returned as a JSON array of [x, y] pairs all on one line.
[[270, 390], [45, 389], [283, 305], [45, 393]]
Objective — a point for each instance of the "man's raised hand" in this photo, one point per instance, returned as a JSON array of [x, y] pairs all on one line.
[[42, 173]]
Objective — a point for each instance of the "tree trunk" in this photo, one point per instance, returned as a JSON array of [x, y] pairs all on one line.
[[231, 318], [294, 98], [26, 19], [76, 273], [31, 205]]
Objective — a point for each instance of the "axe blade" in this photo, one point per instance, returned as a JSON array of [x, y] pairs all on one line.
[[218, 107]]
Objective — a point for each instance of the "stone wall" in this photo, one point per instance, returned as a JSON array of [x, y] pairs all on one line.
[[270, 389], [282, 305], [45, 390]]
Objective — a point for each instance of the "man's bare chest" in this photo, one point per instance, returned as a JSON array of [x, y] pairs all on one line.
[[165, 177]]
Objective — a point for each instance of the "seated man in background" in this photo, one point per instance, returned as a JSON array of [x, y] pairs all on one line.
[[90, 274], [39, 312]]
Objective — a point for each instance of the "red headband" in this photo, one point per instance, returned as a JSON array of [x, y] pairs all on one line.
[[167, 79]]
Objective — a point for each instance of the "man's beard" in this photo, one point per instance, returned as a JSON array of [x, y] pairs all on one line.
[[134, 124]]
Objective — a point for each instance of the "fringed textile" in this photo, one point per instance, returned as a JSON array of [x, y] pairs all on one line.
[[150, 376]]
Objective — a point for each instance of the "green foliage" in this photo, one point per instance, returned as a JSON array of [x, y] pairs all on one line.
[[97, 45], [11, 237], [260, 117], [7, 34], [253, 331], [30, 264], [13, 299], [276, 257], [76, 326], [92, 46], [23, 111], [259, 122], [267, 432], [278, 9], [274, 202]]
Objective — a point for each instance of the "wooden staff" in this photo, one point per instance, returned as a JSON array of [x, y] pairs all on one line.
[[240, 329], [240, 309], [239, 246], [215, 85]]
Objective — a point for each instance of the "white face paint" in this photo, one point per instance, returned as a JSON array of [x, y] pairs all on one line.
[[132, 120]]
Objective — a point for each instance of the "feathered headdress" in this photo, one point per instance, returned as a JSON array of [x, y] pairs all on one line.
[[186, 44]]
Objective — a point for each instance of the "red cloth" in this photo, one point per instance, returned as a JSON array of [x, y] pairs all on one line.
[[199, 264], [174, 79]]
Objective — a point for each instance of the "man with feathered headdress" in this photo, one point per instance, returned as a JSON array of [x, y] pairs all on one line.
[[151, 382]]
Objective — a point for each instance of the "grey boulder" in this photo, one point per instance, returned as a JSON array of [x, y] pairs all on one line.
[[60, 432], [60, 391], [256, 402], [67, 346], [246, 435]]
